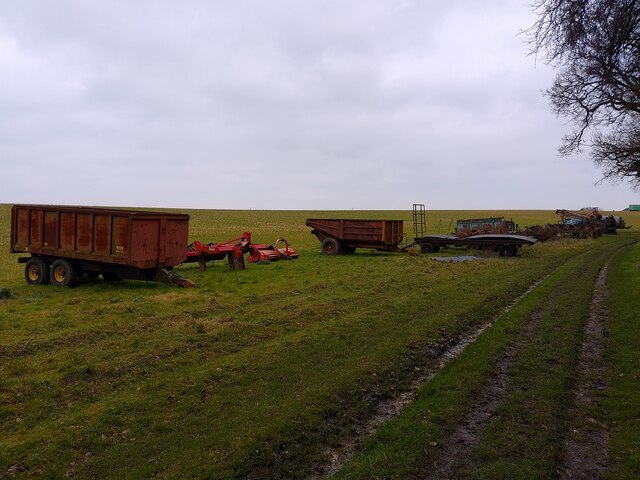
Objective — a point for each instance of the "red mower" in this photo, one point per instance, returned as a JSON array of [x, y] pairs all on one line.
[[235, 249]]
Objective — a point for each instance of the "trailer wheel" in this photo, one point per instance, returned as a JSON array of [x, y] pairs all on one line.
[[64, 273], [330, 246], [36, 271], [507, 251], [427, 248]]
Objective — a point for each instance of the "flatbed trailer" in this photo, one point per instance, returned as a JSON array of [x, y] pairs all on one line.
[[506, 245]]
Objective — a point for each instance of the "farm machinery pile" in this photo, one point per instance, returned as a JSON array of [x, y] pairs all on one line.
[[577, 225], [345, 235], [478, 226]]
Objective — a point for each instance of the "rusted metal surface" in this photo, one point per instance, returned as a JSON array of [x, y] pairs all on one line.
[[475, 226], [595, 221], [278, 250], [553, 231], [358, 233], [576, 225], [169, 276], [138, 239], [235, 249]]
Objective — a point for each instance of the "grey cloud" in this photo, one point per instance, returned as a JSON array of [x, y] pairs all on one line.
[[296, 104]]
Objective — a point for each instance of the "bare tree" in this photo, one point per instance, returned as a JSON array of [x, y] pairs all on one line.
[[595, 45]]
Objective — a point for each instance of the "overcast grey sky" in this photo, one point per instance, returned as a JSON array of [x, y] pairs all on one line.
[[282, 105]]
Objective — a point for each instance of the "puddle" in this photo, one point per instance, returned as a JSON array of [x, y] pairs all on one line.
[[458, 259]]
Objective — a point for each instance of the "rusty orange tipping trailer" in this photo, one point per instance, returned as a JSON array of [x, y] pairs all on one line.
[[345, 235], [66, 242]]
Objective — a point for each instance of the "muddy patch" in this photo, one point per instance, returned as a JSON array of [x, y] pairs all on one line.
[[459, 443], [389, 408], [584, 449]]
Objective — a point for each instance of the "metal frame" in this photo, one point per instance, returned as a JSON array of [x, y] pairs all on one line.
[[419, 220]]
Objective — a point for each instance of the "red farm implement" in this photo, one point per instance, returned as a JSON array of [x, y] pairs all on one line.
[[236, 248]]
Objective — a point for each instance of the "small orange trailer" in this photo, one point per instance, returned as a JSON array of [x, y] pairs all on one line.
[[345, 235]]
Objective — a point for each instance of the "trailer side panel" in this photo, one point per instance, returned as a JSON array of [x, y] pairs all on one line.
[[133, 238], [385, 234]]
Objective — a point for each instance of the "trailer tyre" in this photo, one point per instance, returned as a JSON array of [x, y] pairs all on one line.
[[330, 246], [507, 251], [427, 248], [64, 273], [36, 271]]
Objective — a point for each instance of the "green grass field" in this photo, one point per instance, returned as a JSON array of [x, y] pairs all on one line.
[[255, 373]]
